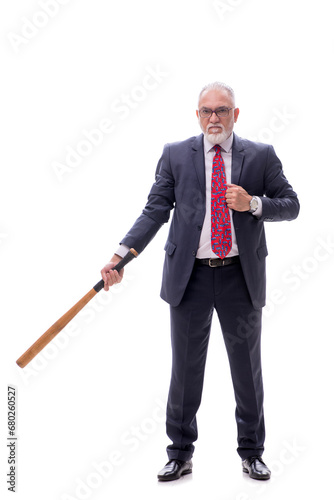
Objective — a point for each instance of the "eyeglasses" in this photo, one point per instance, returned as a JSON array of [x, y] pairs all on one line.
[[220, 112]]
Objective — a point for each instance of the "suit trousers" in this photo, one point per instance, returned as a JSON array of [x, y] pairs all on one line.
[[222, 289]]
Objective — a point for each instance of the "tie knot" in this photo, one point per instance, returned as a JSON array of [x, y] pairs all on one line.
[[217, 148]]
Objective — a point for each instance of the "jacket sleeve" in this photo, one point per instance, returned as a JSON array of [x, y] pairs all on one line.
[[279, 202], [157, 210]]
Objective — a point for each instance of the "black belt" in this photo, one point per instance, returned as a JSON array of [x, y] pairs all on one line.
[[218, 262]]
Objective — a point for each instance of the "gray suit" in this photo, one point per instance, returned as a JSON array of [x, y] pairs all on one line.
[[194, 291], [180, 184]]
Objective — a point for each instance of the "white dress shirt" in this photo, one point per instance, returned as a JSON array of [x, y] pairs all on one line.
[[204, 248]]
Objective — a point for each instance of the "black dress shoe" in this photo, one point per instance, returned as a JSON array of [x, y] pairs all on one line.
[[174, 469], [256, 468]]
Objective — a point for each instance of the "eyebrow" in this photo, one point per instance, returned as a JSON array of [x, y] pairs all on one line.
[[219, 107]]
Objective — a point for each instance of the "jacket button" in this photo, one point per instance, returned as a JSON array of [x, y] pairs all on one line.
[[194, 253], [199, 228]]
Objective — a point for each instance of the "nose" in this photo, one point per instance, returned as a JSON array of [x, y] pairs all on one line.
[[214, 118]]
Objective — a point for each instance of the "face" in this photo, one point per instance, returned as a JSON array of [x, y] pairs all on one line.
[[214, 128]]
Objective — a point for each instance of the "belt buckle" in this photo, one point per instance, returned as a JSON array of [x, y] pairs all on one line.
[[213, 265]]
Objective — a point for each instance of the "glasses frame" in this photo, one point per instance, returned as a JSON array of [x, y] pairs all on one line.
[[216, 111]]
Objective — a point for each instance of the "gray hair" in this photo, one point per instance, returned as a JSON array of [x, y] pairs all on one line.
[[218, 86]]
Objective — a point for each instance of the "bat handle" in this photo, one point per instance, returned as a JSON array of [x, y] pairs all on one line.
[[128, 257]]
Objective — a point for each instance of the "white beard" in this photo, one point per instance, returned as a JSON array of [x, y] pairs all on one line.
[[217, 138]]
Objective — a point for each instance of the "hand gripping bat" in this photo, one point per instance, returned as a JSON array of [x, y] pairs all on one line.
[[69, 315]]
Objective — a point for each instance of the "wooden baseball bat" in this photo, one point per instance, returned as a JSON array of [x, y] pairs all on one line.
[[66, 318]]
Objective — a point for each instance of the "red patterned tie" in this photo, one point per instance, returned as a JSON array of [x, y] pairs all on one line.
[[221, 239]]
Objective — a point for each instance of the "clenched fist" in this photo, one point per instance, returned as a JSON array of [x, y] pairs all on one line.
[[109, 276], [237, 198]]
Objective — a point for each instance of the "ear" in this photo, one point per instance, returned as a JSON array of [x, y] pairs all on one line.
[[236, 114], [197, 113]]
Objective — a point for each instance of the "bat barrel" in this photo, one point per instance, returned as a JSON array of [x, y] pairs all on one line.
[[66, 318], [54, 330]]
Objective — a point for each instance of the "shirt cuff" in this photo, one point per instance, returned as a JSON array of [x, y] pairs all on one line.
[[122, 250], [258, 211]]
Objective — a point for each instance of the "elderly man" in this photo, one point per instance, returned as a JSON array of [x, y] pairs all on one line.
[[222, 189]]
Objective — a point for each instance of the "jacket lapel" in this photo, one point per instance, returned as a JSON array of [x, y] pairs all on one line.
[[198, 159], [237, 159]]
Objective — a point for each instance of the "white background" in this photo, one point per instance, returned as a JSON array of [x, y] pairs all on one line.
[[90, 419]]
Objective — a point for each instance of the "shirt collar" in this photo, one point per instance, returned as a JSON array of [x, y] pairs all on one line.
[[225, 145]]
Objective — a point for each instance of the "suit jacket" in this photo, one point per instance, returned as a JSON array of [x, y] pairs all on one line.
[[180, 185]]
